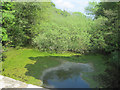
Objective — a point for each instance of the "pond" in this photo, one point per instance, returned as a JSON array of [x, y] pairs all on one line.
[[54, 70], [66, 75]]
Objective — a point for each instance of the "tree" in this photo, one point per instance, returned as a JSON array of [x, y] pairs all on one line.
[[7, 21], [19, 19], [108, 10]]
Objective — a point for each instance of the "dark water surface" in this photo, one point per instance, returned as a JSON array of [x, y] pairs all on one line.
[[67, 75]]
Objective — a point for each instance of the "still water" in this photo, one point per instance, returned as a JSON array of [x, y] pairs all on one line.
[[67, 75]]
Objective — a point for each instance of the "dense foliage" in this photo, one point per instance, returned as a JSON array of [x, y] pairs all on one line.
[[110, 11], [64, 33], [111, 31], [42, 26], [18, 19], [51, 29]]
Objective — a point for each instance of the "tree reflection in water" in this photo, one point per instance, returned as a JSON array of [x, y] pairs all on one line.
[[66, 75]]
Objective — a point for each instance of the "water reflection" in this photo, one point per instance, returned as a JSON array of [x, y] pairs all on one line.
[[67, 75]]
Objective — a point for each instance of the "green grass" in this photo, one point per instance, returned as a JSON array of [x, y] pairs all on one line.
[[28, 64]]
